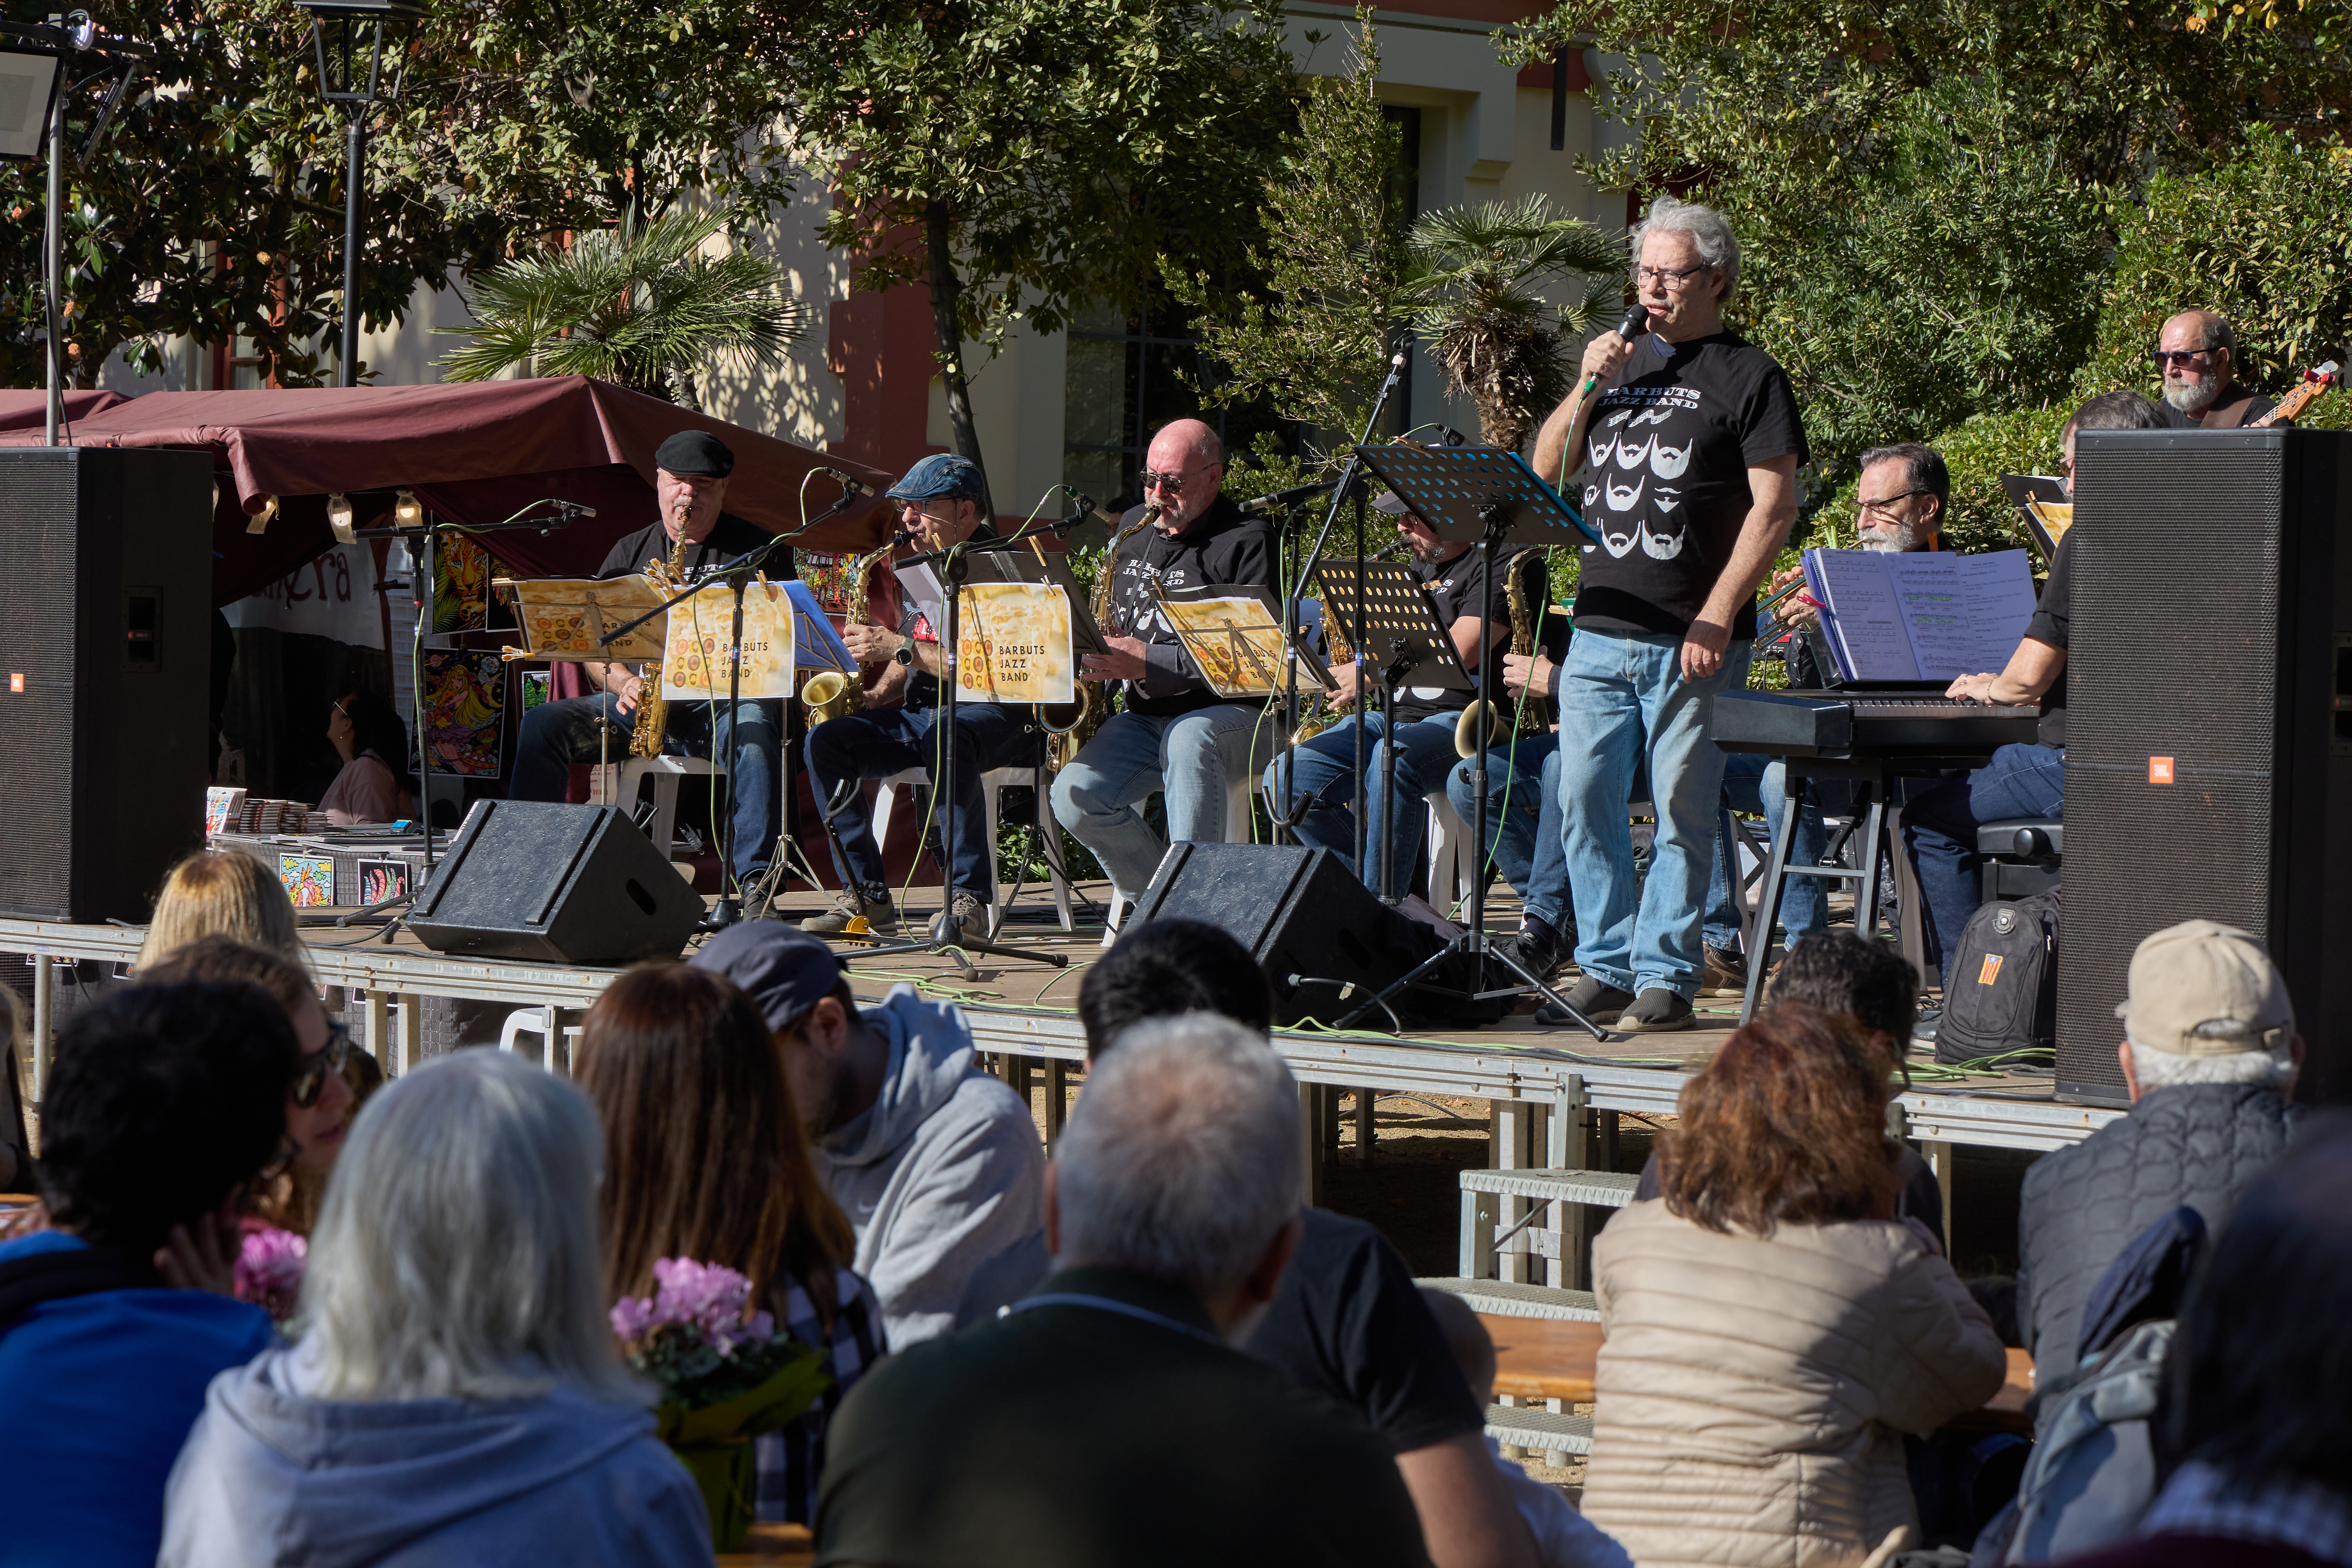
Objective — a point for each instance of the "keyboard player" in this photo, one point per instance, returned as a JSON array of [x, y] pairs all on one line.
[[1901, 500], [1939, 828]]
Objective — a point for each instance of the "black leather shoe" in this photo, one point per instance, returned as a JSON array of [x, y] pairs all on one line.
[[1655, 1011], [1595, 999]]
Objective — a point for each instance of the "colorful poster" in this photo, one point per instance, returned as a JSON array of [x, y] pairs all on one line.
[[310, 880], [224, 809], [1014, 643], [380, 880], [694, 668], [465, 706], [537, 685], [461, 584]]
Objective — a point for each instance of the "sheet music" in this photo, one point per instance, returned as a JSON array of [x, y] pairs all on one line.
[[1922, 615], [1869, 615]]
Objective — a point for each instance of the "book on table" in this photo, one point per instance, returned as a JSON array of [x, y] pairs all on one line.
[[1921, 616]]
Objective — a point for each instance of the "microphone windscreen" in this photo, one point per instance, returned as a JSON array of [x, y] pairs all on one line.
[[1636, 322]]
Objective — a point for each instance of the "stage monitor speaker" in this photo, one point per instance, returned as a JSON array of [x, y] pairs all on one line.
[[106, 577], [2209, 725], [1312, 927], [566, 885]]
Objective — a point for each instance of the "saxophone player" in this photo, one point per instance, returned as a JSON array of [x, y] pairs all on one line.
[[939, 505], [690, 471], [1422, 727]]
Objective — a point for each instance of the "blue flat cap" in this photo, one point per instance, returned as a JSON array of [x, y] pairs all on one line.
[[783, 969], [940, 473]]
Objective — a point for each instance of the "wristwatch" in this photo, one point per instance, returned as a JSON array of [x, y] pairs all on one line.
[[905, 654]]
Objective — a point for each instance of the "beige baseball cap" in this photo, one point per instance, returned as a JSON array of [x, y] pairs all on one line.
[[2203, 988]]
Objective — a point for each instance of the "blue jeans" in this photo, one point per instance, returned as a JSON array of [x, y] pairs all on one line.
[[1940, 833], [1193, 759], [1324, 773], [892, 740], [558, 733], [1756, 783], [1523, 824], [1623, 699]]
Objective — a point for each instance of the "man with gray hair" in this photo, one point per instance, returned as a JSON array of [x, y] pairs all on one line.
[[1107, 1416], [2209, 1054], [1690, 442], [2196, 360]]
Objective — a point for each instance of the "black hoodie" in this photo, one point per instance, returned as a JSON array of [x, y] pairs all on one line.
[[1219, 547]]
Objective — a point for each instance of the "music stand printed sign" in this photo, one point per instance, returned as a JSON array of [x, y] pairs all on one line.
[[695, 663], [567, 617], [1014, 643]]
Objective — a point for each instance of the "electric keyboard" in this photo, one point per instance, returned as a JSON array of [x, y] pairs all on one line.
[[1859, 724]]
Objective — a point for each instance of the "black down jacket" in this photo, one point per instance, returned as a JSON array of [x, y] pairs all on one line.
[[2197, 1143]]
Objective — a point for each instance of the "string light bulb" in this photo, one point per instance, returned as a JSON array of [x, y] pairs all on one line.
[[407, 511], [339, 517]]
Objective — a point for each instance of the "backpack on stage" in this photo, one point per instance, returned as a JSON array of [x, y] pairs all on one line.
[[2002, 994]]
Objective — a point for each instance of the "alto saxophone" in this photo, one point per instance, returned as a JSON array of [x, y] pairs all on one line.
[[829, 693], [652, 709], [1065, 741], [1320, 715], [1482, 718]]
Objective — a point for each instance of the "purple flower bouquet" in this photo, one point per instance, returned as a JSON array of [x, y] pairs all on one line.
[[726, 1375], [269, 1271]]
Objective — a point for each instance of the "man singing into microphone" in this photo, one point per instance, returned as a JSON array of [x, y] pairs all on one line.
[[938, 504], [1690, 453], [690, 471]]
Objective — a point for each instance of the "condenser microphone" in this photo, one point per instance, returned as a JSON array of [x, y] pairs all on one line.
[[849, 485]]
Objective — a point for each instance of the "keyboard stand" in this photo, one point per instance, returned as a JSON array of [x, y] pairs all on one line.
[[1874, 779]]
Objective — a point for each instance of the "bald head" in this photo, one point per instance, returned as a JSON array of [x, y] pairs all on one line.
[[2197, 353], [1189, 452]]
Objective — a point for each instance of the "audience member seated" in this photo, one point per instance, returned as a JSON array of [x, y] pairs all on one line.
[[705, 1158], [322, 1099], [1107, 1419], [939, 1166], [1347, 1321], [221, 893], [368, 735], [1855, 977], [165, 1107], [2209, 1054], [1772, 1328], [458, 1396], [1563, 1537], [2260, 1417]]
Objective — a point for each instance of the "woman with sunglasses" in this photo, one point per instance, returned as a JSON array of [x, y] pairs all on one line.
[[321, 1099]]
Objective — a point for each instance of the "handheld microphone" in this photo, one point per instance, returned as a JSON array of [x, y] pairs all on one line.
[[1636, 323]]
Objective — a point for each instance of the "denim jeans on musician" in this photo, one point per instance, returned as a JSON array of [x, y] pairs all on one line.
[[1622, 698], [1324, 772], [1192, 758], [1760, 784], [1523, 826], [558, 733], [1940, 833], [892, 740]]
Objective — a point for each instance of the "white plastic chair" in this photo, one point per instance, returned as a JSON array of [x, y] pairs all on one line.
[[1049, 833], [665, 771], [1453, 858], [536, 1020]]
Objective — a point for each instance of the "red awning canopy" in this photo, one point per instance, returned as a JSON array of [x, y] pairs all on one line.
[[21, 410], [475, 453]]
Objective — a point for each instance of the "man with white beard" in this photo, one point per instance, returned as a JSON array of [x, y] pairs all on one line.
[[1900, 505], [2196, 355]]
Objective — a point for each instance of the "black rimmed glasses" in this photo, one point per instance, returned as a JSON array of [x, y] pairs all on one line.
[[1667, 277], [311, 1072], [1885, 506], [2185, 358]]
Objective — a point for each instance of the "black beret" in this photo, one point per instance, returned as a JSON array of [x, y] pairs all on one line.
[[697, 453]]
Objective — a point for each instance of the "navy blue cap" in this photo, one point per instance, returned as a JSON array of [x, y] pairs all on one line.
[[940, 473], [783, 969], [695, 453]]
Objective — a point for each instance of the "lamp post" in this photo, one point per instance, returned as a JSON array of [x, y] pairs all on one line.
[[359, 29], [33, 61]]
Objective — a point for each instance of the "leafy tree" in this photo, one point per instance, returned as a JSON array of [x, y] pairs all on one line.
[[1474, 274], [1024, 158], [1313, 336], [647, 308]]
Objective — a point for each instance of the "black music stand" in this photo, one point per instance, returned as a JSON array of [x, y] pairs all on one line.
[[1487, 495], [1406, 644]]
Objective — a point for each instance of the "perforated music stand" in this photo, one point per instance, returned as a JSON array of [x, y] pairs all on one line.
[[1488, 496]]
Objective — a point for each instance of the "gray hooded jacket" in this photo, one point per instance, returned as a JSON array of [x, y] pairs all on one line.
[[271, 1475], [943, 1178]]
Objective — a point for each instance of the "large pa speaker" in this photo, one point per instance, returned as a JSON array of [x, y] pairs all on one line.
[[2209, 724], [106, 577], [568, 884], [1312, 927]]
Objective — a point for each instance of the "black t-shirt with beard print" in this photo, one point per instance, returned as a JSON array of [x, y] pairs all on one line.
[[1665, 482]]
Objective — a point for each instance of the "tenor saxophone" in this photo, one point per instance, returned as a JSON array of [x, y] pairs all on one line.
[[1481, 717], [1319, 714], [652, 709], [1065, 741]]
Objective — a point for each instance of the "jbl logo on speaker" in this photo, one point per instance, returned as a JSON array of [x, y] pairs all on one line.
[[2159, 769]]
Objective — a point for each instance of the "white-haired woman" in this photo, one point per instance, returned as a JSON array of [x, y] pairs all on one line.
[[458, 1396]]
